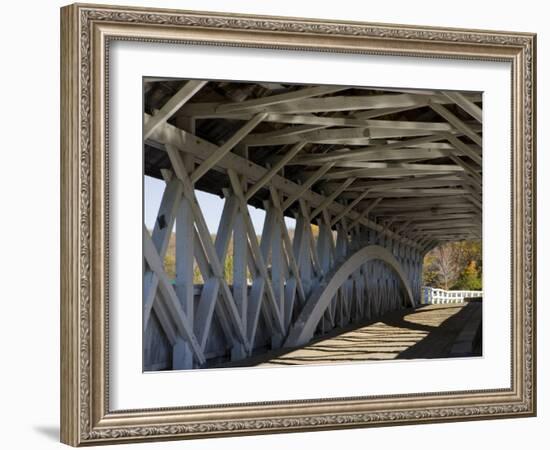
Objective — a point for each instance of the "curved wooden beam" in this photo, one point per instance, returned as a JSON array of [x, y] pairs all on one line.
[[302, 330]]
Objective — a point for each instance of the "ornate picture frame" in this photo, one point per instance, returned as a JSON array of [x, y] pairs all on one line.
[[86, 34]]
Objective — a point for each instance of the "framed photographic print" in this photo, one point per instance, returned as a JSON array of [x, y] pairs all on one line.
[[277, 224]]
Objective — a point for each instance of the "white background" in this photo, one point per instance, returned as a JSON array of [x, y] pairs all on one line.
[[29, 233]]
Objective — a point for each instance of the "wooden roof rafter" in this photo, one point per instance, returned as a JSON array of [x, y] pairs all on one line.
[[390, 151]]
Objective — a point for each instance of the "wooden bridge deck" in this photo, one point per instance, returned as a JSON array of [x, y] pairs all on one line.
[[431, 331]]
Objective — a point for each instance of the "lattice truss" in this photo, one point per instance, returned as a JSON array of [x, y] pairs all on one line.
[[383, 175]]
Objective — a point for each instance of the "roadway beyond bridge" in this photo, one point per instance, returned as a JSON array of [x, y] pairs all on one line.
[[430, 331]]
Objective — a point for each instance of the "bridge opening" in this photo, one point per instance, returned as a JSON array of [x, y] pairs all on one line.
[[277, 215]]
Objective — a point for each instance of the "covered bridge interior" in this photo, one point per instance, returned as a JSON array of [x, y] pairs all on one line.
[[374, 178]]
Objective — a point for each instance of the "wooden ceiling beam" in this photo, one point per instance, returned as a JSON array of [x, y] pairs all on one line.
[[420, 193], [421, 218], [428, 202], [406, 182], [348, 154], [183, 95], [381, 169], [325, 104], [401, 165], [422, 214], [467, 105], [380, 155], [201, 149], [456, 122], [257, 104]]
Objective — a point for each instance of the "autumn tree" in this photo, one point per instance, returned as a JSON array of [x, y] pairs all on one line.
[[446, 264], [454, 265], [469, 278]]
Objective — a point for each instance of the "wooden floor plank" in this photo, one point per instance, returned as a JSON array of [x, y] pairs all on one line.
[[426, 332]]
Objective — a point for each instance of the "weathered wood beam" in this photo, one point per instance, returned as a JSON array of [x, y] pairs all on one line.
[[456, 122], [382, 155], [421, 217], [455, 238], [171, 300], [411, 193], [396, 210], [160, 236], [379, 112], [256, 252], [326, 104], [188, 143], [365, 212], [209, 295], [188, 90], [449, 231], [466, 104], [476, 202], [323, 296], [304, 209], [240, 282], [350, 155], [273, 170], [184, 275], [403, 227], [427, 145], [360, 130], [467, 168], [368, 164], [278, 261], [436, 222], [349, 136], [215, 264], [208, 299], [309, 120], [167, 324], [342, 136], [405, 125], [292, 263], [470, 183], [205, 311], [310, 181], [409, 182], [328, 200], [359, 119], [448, 228], [257, 304], [211, 161], [348, 208], [258, 104], [297, 130], [464, 149], [428, 202], [380, 169]]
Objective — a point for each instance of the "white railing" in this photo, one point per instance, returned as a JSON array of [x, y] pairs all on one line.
[[432, 296]]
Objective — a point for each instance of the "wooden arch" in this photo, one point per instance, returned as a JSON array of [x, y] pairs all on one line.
[[302, 330]]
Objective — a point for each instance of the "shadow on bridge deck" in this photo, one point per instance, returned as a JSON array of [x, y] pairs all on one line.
[[431, 331]]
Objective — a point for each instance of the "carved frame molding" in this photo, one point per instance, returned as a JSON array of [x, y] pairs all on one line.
[[86, 31]]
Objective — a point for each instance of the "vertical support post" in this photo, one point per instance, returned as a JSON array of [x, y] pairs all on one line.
[[341, 251], [161, 235], [182, 356], [240, 250], [277, 267], [418, 275], [184, 278], [323, 246], [240, 282], [301, 252]]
